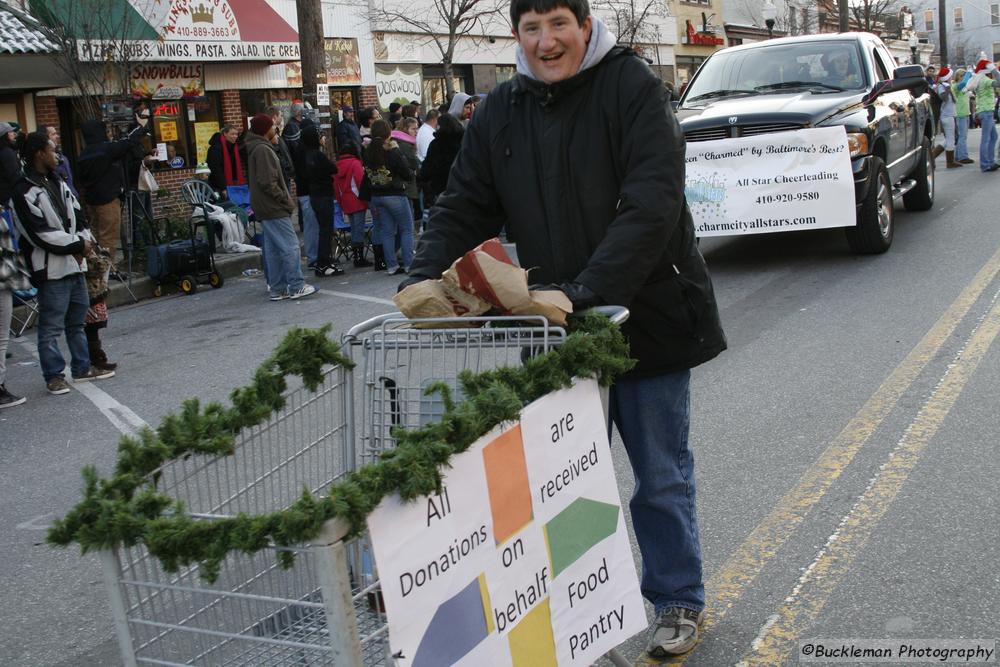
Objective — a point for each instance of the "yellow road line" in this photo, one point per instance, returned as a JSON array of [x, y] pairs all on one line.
[[740, 570], [777, 640]]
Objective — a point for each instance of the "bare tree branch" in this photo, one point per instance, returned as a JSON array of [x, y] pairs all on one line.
[[445, 22], [95, 49], [629, 19], [870, 14]]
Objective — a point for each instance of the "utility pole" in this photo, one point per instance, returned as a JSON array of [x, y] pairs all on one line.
[[844, 17], [943, 32], [310, 17]]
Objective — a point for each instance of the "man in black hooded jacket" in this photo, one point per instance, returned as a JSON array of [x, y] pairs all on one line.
[[580, 156], [101, 178]]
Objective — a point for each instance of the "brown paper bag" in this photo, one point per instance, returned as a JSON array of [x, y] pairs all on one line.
[[434, 298], [498, 282], [553, 305], [481, 279]]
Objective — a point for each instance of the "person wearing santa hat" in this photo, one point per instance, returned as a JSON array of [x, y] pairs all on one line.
[[946, 119], [981, 85]]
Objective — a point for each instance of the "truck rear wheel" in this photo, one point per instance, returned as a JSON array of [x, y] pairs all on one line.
[[873, 233], [921, 197]]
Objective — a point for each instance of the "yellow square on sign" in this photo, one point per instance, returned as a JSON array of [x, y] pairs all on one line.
[[168, 130]]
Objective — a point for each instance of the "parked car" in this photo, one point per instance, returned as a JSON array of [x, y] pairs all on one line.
[[846, 79]]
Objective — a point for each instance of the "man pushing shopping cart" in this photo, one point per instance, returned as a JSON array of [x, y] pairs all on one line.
[[580, 157]]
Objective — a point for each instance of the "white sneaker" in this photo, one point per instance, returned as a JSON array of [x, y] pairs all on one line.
[[304, 291]]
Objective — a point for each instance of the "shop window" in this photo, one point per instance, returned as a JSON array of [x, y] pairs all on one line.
[[204, 116], [181, 130], [258, 101], [505, 73], [170, 141], [435, 91], [687, 66], [340, 97]]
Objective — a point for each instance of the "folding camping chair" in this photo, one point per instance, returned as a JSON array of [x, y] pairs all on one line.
[[240, 195], [239, 198], [28, 298], [342, 235]]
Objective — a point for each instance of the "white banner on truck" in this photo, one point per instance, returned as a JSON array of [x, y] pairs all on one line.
[[770, 183]]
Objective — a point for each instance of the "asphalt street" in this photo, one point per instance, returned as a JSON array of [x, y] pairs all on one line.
[[846, 444]]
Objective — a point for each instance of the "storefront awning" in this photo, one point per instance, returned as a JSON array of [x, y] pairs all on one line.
[[176, 30]]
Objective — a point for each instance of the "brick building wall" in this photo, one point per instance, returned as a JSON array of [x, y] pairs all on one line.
[[231, 112], [368, 97], [46, 112], [172, 204]]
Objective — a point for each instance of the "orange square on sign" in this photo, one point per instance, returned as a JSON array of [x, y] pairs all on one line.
[[507, 482]]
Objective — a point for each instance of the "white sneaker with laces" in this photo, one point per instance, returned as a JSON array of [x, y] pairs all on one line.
[[676, 632], [304, 291]]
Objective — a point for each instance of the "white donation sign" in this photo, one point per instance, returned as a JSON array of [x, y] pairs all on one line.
[[770, 183], [523, 558]]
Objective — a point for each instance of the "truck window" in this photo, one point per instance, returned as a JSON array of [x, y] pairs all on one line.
[[887, 59], [880, 68], [828, 62]]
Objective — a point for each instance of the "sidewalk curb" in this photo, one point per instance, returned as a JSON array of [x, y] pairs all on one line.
[[229, 265]]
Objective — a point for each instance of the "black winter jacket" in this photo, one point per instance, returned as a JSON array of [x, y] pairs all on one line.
[[588, 176], [319, 170], [99, 167], [441, 155], [10, 172], [390, 179], [217, 163]]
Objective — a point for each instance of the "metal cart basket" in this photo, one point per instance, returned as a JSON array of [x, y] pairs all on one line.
[[326, 609]]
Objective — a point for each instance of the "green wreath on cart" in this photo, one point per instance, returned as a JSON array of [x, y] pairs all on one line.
[[127, 509]]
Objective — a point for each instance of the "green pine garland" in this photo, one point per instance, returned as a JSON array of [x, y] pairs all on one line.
[[127, 509]]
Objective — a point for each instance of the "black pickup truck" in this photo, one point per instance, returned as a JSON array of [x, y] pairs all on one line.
[[845, 79]]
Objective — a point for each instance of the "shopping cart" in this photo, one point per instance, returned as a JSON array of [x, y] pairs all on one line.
[[327, 609], [256, 612]]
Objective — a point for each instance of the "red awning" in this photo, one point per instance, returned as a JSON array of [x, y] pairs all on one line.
[[260, 23]]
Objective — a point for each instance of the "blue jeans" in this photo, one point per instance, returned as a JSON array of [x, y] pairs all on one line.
[[357, 221], [961, 135], [62, 305], [988, 142], [395, 216], [310, 228], [653, 418], [284, 267], [376, 225]]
